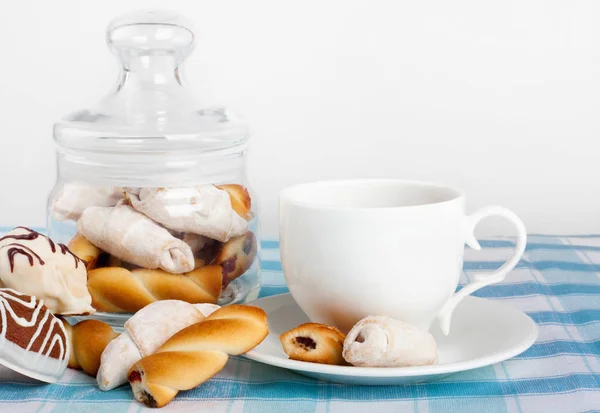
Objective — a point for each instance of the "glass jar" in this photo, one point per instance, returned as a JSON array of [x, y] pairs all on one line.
[[152, 189]]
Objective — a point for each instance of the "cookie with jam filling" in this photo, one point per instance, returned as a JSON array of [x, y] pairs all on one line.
[[315, 343]]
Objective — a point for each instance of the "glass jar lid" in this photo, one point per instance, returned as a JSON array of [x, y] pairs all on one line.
[[150, 110]]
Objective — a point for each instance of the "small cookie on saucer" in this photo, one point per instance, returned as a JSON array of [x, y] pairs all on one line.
[[315, 343], [378, 341]]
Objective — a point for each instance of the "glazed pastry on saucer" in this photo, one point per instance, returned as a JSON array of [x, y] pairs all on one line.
[[378, 341], [315, 343], [32, 341], [35, 265]]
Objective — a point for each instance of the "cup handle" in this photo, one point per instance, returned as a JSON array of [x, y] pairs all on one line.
[[483, 280]]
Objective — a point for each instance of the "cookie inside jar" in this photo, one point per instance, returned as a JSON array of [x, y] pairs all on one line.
[[152, 191]]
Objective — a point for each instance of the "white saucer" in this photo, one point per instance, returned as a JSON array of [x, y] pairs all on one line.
[[483, 332]]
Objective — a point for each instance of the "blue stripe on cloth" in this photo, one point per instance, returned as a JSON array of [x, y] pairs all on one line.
[[538, 265], [499, 290], [532, 246], [544, 244], [267, 291], [570, 318], [492, 265], [269, 244], [531, 288], [558, 347], [480, 405], [258, 406], [61, 392], [112, 407], [280, 389]]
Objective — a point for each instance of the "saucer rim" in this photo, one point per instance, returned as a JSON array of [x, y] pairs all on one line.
[[381, 372]]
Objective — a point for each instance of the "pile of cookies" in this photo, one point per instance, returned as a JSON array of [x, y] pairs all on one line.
[[142, 245], [41, 281]]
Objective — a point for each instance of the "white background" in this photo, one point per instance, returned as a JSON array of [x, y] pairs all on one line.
[[501, 98]]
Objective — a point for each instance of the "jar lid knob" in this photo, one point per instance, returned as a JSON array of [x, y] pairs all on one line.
[[150, 32]]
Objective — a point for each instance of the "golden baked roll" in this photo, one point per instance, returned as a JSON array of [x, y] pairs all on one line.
[[119, 290], [85, 250], [88, 340], [315, 343], [197, 353]]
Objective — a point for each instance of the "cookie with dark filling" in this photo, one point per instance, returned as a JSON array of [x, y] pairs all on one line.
[[315, 343], [236, 256]]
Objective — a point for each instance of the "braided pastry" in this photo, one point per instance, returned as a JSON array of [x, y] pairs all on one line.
[[144, 333], [197, 353], [236, 256], [85, 250], [88, 340], [118, 290]]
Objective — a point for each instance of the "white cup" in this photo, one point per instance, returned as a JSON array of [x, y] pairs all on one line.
[[355, 248]]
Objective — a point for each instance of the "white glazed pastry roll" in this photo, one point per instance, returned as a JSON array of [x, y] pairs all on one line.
[[144, 333], [378, 341], [70, 202], [204, 210], [126, 234], [120, 354], [198, 243]]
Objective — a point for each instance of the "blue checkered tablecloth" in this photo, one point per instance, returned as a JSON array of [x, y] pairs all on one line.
[[557, 283]]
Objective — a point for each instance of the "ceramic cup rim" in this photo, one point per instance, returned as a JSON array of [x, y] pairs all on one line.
[[287, 195]]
